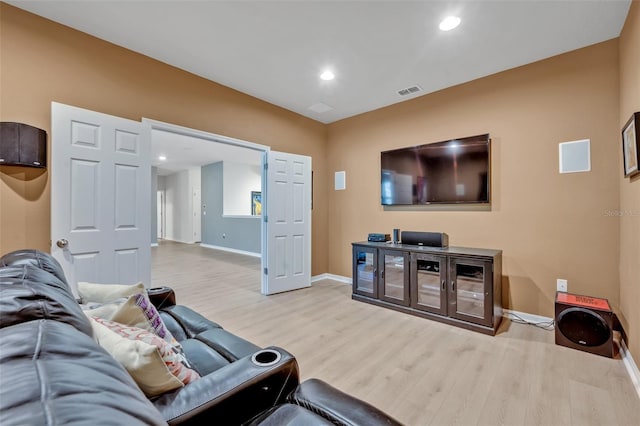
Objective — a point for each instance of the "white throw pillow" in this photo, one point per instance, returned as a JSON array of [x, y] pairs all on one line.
[[105, 293]]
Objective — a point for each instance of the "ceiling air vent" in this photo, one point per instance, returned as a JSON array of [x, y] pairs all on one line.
[[409, 90], [320, 108]]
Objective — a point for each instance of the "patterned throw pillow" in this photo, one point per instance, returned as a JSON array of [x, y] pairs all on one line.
[[154, 365], [135, 310], [156, 324]]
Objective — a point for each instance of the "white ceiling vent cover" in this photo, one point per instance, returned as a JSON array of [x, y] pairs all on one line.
[[320, 108], [410, 90]]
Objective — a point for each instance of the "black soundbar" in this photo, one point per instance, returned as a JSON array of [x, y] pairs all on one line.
[[429, 239]]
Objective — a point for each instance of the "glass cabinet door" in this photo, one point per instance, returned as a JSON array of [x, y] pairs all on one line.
[[394, 276], [470, 290], [365, 271], [428, 277]]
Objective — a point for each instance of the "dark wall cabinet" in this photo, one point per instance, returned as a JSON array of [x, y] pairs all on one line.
[[22, 145], [455, 285]]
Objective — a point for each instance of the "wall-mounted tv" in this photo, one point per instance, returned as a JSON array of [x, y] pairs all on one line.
[[449, 172]]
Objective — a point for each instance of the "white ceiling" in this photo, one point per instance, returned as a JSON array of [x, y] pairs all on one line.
[[184, 152], [275, 50]]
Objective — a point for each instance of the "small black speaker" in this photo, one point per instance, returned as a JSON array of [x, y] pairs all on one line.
[[429, 239], [22, 145], [584, 323]]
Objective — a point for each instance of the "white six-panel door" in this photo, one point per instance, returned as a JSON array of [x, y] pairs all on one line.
[[100, 206], [197, 215], [287, 211]]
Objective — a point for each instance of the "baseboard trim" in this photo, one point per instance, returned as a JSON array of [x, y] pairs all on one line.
[[631, 366], [231, 250], [178, 241], [526, 316], [154, 244], [339, 278]]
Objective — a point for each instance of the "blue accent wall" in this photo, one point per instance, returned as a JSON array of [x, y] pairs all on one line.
[[241, 233]]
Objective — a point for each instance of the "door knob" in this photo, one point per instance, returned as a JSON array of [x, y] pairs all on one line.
[[62, 243]]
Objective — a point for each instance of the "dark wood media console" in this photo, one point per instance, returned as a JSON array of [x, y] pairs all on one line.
[[455, 285]]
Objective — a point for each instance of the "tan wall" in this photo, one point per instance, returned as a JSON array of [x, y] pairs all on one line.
[[630, 188], [42, 61], [548, 225]]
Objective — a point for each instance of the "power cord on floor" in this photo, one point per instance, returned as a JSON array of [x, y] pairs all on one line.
[[545, 325]]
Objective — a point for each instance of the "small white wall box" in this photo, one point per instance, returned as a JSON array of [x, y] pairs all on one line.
[[575, 156], [340, 181]]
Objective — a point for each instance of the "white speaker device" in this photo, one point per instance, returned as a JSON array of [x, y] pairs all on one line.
[[575, 156], [340, 182]]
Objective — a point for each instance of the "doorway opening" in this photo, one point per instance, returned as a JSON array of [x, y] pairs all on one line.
[[284, 242], [196, 174]]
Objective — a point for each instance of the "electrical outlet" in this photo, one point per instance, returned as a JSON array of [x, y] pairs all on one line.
[[561, 285]]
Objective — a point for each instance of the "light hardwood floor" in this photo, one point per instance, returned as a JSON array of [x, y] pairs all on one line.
[[419, 371]]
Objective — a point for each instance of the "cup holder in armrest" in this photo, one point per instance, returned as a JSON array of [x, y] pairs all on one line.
[[161, 296], [266, 357]]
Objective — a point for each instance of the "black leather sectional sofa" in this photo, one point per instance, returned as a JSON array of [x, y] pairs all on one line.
[[52, 372]]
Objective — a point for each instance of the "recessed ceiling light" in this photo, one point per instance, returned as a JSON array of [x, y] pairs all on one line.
[[162, 158], [449, 23], [327, 75]]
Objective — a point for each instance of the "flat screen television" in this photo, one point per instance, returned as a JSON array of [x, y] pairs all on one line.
[[450, 172]]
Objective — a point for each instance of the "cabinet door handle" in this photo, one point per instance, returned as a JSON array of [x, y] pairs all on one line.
[[453, 286], [443, 285]]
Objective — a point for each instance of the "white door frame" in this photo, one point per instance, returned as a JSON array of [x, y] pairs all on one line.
[[149, 124], [160, 213]]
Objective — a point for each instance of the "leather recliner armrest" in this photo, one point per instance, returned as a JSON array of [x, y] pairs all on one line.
[[232, 394], [192, 322], [338, 407]]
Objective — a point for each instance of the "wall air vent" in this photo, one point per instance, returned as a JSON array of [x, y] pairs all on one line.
[[409, 90]]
